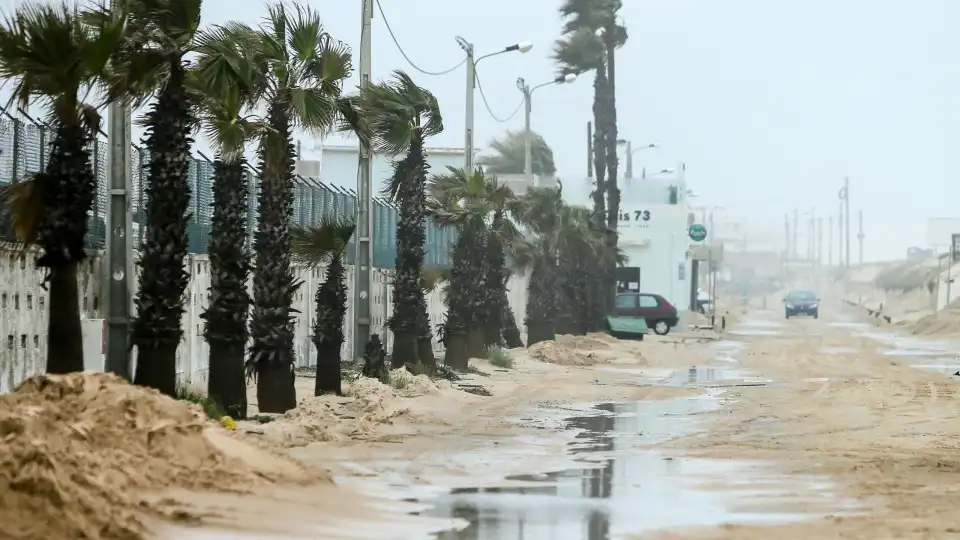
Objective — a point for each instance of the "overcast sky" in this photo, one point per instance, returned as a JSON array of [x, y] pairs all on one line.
[[770, 104]]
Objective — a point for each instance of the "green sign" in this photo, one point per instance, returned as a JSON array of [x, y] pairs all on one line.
[[697, 232]]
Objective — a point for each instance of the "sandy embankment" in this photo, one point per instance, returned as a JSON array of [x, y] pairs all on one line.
[[887, 433], [87, 455]]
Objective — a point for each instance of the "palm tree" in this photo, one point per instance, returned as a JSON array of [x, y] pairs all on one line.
[[461, 201], [51, 55], [508, 156], [539, 209], [579, 51], [326, 243], [501, 233], [399, 116], [151, 63], [599, 35], [299, 76], [226, 94]]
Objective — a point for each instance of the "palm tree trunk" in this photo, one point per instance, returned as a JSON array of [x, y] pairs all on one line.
[[610, 132], [64, 335], [599, 147], [459, 300], [511, 334], [226, 383], [541, 298], [67, 190], [425, 341], [408, 307], [226, 316], [163, 279], [274, 286], [328, 335], [613, 192]]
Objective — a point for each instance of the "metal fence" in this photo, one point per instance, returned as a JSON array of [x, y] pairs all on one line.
[[23, 150]]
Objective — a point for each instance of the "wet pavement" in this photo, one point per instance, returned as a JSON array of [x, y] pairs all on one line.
[[623, 488]]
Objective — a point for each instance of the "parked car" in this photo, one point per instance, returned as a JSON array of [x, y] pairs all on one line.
[[658, 313], [801, 303]]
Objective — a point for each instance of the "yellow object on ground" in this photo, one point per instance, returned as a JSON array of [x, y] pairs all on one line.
[[228, 423]]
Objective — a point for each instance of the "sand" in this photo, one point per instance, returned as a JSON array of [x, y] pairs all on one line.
[[79, 451], [115, 459], [886, 433]]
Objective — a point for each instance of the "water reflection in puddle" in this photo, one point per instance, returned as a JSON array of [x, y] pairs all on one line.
[[626, 489]]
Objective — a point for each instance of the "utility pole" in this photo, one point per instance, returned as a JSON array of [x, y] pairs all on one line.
[[471, 85], [840, 233], [860, 235], [589, 149], [786, 230], [527, 136], [819, 254], [830, 241], [811, 232], [846, 214], [796, 227], [362, 265], [629, 174], [119, 270]]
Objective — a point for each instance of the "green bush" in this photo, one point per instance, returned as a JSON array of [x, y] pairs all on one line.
[[499, 357], [210, 407]]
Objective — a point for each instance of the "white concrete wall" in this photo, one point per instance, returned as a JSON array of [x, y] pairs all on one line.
[[659, 247], [23, 316]]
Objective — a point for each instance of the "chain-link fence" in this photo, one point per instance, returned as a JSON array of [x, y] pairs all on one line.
[[23, 151]]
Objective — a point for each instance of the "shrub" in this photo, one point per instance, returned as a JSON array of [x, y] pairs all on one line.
[[499, 357]]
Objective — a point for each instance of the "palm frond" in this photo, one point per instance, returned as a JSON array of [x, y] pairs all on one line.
[[23, 205], [316, 244], [397, 111]]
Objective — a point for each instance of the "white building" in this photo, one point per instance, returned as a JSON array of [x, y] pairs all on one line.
[[653, 233]]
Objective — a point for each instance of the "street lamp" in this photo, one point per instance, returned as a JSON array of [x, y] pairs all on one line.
[[527, 108], [630, 151], [467, 47]]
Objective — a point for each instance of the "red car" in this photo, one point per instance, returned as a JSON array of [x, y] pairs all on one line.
[[660, 314]]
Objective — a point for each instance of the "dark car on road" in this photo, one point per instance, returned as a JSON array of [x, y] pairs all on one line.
[[659, 314], [801, 303]]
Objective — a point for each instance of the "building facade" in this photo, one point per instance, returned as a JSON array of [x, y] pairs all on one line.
[[653, 232]]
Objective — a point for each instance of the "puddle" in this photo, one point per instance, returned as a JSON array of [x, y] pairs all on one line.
[[621, 489]]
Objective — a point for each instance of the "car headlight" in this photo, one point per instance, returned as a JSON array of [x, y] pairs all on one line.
[[813, 306], [789, 306]]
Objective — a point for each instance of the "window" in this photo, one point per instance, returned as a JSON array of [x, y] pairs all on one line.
[[626, 301], [648, 302]]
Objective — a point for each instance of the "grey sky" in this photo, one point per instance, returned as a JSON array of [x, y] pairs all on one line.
[[770, 104]]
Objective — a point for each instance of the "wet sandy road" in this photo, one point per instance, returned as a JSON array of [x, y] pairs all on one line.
[[806, 429], [874, 412]]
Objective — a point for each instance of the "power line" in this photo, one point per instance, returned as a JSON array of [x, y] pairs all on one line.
[[487, 105], [407, 58]]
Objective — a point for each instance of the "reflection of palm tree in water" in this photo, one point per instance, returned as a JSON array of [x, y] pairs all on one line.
[[600, 484]]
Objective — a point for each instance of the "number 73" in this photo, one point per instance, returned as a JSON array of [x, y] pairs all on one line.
[[641, 215]]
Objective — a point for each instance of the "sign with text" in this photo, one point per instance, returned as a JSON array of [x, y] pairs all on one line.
[[638, 218]]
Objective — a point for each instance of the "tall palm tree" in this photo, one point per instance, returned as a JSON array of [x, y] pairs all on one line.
[[314, 245], [399, 116], [508, 155], [51, 55], [150, 63], [597, 21], [226, 93], [501, 233], [580, 51], [300, 71]]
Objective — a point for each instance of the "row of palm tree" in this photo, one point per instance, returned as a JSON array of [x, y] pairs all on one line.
[[255, 85]]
